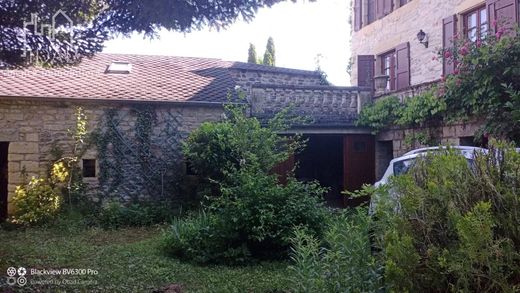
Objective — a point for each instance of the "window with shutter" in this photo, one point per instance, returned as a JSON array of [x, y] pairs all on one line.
[[502, 12], [365, 70], [475, 24], [449, 31], [388, 67], [380, 8], [388, 6], [358, 16], [402, 68], [373, 12]]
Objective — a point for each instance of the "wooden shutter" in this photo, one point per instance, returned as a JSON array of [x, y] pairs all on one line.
[[365, 69], [402, 70], [387, 6], [504, 12], [358, 15], [449, 31], [380, 8]]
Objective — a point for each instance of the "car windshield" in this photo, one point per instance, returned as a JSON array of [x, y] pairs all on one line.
[[401, 167]]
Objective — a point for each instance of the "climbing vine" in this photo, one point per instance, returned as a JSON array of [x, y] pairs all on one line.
[[424, 110], [140, 153]]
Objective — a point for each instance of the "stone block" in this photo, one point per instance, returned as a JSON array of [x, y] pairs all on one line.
[[30, 166], [32, 137], [24, 148], [14, 157], [13, 167]]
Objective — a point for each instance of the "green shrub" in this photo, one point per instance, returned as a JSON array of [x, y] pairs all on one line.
[[35, 202], [455, 225], [217, 149], [254, 219], [342, 263], [116, 215], [254, 216]]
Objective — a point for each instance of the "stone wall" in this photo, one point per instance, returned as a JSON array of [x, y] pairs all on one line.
[[326, 105], [402, 139], [33, 127], [246, 78], [402, 25]]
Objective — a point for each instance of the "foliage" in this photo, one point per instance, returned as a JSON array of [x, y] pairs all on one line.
[[344, 263], [425, 109], [39, 200], [127, 260], [485, 83], [144, 160], [452, 226], [323, 74], [254, 215], [380, 114], [216, 150], [115, 215], [254, 218], [251, 54], [97, 21], [269, 54]]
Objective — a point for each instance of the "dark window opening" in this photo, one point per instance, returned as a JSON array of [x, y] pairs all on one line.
[[89, 168], [476, 24]]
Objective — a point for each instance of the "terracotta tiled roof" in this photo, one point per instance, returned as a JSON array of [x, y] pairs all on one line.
[[152, 78]]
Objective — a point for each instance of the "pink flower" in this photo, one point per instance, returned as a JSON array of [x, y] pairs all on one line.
[[463, 51], [494, 23], [443, 78], [434, 58], [499, 34], [447, 54], [478, 43], [456, 71]]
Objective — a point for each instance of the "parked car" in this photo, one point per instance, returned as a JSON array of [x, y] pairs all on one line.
[[402, 165]]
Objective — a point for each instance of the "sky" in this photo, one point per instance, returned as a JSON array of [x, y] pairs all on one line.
[[301, 31]]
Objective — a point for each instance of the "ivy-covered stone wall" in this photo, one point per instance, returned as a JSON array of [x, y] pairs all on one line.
[[133, 143]]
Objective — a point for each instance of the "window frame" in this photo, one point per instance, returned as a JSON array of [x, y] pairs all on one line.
[[392, 69], [465, 22]]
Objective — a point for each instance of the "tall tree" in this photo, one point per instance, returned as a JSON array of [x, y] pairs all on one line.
[[95, 21], [251, 57], [269, 55]]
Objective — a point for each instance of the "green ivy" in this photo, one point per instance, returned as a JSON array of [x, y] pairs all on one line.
[[425, 110]]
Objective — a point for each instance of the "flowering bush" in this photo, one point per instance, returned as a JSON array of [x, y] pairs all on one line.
[[40, 199], [486, 82]]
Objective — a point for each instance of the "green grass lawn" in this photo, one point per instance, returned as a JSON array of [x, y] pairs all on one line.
[[127, 260]]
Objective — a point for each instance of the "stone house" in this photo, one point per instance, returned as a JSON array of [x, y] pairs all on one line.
[[140, 108], [397, 41]]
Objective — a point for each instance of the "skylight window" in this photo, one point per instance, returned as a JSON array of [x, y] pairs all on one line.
[[119, 67]]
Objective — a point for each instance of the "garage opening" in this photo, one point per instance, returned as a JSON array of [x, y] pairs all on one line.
[[4, 149], [322, 160]]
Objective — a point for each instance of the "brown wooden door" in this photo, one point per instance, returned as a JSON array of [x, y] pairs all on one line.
[[283, 169], [4, 147], [358, 161]]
